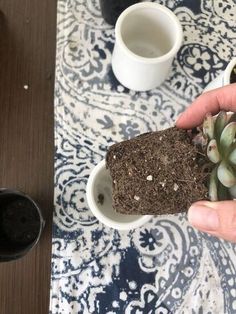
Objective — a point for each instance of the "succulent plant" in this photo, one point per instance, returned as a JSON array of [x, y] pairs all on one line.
[[219, 132]]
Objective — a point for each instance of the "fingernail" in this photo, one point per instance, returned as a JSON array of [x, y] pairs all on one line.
[[203, 217]]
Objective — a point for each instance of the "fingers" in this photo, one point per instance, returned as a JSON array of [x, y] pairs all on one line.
[[215, 218], [223, 98]]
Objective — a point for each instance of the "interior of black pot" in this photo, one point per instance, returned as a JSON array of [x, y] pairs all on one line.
[[20, 225]]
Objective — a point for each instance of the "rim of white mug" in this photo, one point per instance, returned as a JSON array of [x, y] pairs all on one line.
[[141, 220], [159, 7], [228, 71]]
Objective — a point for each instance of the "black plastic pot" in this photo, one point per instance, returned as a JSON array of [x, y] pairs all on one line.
[[21, 224], [111, 9]]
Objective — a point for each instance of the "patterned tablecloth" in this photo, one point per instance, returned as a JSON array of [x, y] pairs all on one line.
[[166, 266]]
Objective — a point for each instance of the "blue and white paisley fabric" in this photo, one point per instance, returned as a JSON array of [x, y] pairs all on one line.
[[165, 266]]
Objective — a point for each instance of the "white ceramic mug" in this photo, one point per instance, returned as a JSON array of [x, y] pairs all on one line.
[[148, 36], [223, 79]]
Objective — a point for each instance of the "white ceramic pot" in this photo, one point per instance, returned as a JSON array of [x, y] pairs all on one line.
[[223, 79], [148, 36], [99, 198]]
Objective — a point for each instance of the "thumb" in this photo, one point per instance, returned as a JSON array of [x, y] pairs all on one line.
[[215, 218]]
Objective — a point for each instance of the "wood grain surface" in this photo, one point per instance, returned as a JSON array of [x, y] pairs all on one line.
[[27, 57]]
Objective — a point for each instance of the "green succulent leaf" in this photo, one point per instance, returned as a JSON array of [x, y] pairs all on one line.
[[226, 174], [232, 191], [232, 157], [223, 192], [213, 186], [232, 118], [227, 136], [213, 152], [208, 126], [220, 123]]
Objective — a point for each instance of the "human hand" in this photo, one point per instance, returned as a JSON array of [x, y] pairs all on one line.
[[215, 218]]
